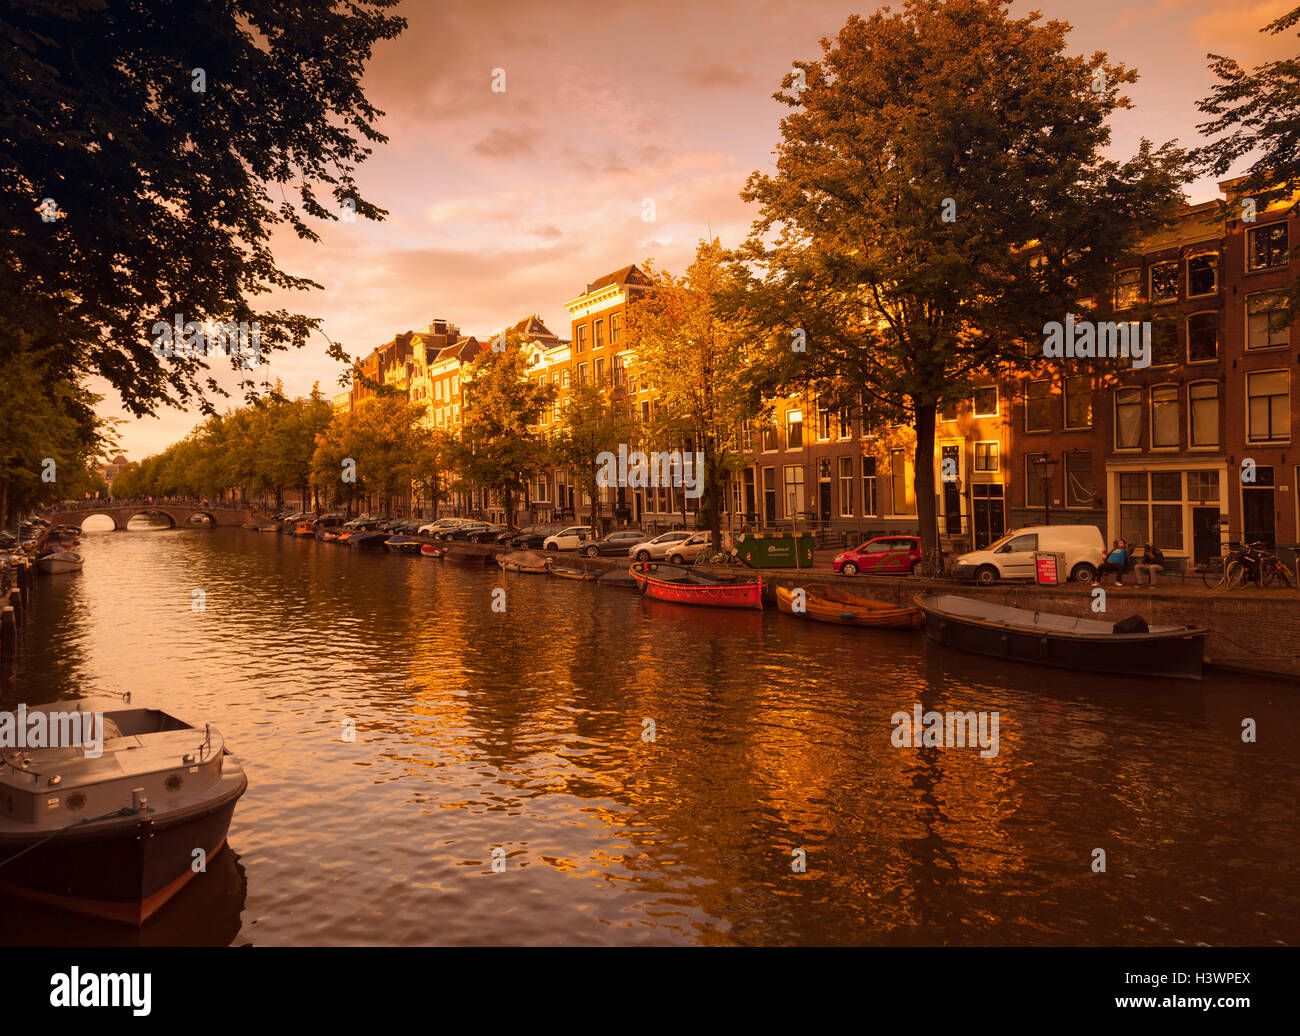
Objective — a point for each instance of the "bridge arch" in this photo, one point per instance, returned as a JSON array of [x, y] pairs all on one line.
[[177, 514]]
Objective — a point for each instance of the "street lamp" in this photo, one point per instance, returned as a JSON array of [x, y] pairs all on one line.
[[1046, 465]]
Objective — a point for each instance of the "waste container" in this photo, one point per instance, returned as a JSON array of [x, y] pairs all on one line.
[[776, 549], [1049, 568]]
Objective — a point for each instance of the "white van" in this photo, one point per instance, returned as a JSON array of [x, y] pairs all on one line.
[[1012, 557]]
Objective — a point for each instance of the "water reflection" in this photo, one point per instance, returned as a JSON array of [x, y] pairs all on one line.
[[524, 731]]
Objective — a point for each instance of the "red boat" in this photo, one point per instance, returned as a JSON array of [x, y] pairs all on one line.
[[686, 586], [430, 551]]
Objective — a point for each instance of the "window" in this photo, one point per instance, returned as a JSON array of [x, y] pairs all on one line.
[[1128, 418], [615, 328], [823, 423], [1128, 288], [1164, 282], [1203, 413], [1203, 487], [582, 374], [1266, 246], [769, 494], [869, 487], [846, 424], [986, 456], [986, 401], [1151, 508], [769, 439], [580, 340], [1266, 323], [597, 334], [746, 437], [1202, 274], [1078, 402], [1038, 406], [599, 368], [846, 487], [948, 411], [1164, 417], [1164, 342], [898, 482], [437, 390], [1268, 399], [794, 429], [645, 411], [1035, 488], [616, 365], [566, 377], [1080, 490], [794, 502], [1202, 337]]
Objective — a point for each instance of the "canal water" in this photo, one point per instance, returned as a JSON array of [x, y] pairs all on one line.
[[654, 774]]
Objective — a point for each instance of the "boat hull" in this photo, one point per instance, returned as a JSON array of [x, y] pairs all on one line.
[[53, 564], [699, 591], [851, 611], [1177, 654], [122, 870]]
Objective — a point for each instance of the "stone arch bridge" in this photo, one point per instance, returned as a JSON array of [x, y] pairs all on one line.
[[178, 514]]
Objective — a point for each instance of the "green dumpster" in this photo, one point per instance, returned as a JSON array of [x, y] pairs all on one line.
[[776, 549]]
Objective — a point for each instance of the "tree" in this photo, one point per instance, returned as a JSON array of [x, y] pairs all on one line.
[[928, 156], [144, 157], [1257, 114], [500, 449], [593, 423], [692, 342], [431, 466]]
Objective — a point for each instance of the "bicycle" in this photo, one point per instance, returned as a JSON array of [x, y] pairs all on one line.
[[934, 565], [1259, 565], [723, 557]]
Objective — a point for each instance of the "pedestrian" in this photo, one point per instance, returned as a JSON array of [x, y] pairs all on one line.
[[1116, 561], [1153, 562]]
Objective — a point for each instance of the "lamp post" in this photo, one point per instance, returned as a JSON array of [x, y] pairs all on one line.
[[1046, 465]]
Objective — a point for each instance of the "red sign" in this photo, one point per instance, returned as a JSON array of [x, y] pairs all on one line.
[[1046, 569]]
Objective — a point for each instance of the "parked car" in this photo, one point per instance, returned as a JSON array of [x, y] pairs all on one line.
[[882, 556], [464, 532], [360, 520], [616, 543], [534, 536], [691, 548], [657, 549], [1012, 557], [490, 534], [569, 539], [435, 527]]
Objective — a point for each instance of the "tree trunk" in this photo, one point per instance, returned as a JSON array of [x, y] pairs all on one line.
[[923, 478], [714, 498]]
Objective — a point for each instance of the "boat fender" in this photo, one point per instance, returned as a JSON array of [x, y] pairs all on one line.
[[1006, 645], [1044, 645]]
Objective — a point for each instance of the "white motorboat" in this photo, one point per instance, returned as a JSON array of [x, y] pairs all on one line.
[[60, 561]]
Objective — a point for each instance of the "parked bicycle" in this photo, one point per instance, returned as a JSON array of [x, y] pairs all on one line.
[[1255, 563], [934, 565]]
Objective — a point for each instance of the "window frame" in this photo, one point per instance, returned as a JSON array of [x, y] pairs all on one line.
[[1187, 273], [1192, 444], [1251, 438], [1137, 405], [1165, 388], [1151, 284], [1286, 248], [1218, 335]]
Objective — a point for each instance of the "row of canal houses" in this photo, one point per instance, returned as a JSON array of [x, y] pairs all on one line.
[[1189, 452]]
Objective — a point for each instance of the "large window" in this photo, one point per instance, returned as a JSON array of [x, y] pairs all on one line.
[[597, 334], [580, 338], [845, 424], [823, 422], [794, 501], [1128, 287], [986, 401], [615, 328], [1266, 322], [1128, 418], [1078, 402], [770, 444], [1266, 246], [582, 374], [1202, 337], [898, 482], [869, 487], [1202, 275], [1164, 282], [1268, 400], [794, 429], [1151, 508], [1164, 417], [1164, 342], [846, 487], [1080, 490], [1203, 413], [986, 456], [1035, 488], [1038, 406]]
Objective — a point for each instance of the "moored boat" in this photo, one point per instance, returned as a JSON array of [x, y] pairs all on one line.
[[368, 540], [526, 561], [403, 545], [827, 603], [468, 555], [129, 811], [306, 528], [1063, 641], [573, 573], [686, 586], [617, 577], [59, 561], [428, 550]]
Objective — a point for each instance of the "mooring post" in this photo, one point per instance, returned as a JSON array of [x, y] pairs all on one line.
[[8, 635], [16, 603]]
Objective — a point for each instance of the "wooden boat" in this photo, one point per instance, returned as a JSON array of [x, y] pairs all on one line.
[[129, 810], [686, 586], [428, 550], [527, 561], [468, 555], [268, 528], [617, 578], [402, 545], [368, 540], [831, 604], [581, 574], [1063, 641], [307, 528], [60, 561]]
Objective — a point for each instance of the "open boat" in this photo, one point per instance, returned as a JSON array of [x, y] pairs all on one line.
[[831, 604], [468, 555], [60, 561], [1064, 641], [527, 561], [403, 545], [131, 797], [573, 573], [368, 540], [428, 550], [617, 577], [687, 586]]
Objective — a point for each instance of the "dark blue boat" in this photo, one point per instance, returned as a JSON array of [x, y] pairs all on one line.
[[368, 540]]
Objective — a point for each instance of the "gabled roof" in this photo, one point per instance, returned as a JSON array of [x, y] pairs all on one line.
[[627, 275], [532, 327], [464, 350]]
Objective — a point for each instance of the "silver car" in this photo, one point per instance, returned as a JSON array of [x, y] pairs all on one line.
[[658, 548]]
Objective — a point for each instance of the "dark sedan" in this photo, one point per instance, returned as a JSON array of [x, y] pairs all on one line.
[[534, 536], [617, 543]]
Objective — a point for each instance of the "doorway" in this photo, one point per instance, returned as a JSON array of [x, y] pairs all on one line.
[[1205, 534], [990, 515], [1257, 508], [951, 465]]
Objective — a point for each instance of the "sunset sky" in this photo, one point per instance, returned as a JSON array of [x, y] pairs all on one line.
[[505, 204]]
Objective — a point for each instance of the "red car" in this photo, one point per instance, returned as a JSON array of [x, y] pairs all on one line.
[[885, 555]]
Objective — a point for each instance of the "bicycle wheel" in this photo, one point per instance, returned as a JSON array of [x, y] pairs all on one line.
[[923, 569], [1213, 578], [1234, 573]]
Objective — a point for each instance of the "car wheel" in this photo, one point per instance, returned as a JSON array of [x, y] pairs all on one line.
[[986, 574], [676, 559], [643, 555], [553, 546], [849, 569], [592, 552], [1084, 574]]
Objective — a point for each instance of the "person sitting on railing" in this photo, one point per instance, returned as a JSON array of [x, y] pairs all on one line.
[[1152, 563]]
